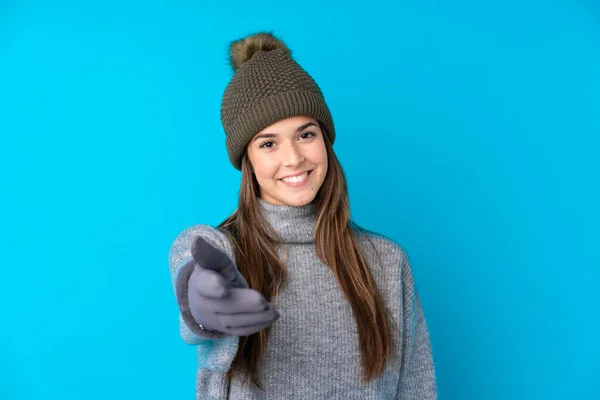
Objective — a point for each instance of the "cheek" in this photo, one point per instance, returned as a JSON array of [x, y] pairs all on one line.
[[265, 172], [321, 159], [317, 153]]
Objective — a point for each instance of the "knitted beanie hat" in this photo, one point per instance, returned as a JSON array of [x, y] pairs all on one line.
[[267, 86]]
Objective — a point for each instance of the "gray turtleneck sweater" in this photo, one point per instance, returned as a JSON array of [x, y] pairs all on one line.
[[313, 350]]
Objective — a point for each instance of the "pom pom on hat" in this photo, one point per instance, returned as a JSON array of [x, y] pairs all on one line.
[[242, 50]]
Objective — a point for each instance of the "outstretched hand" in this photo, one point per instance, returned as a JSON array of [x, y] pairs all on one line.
[[219, 297]]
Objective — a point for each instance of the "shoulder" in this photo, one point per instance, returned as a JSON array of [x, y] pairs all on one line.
[[379, 245], [215, 236], [388, 262], [387, 259]]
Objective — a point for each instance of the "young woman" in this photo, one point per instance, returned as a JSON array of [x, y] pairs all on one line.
[[288, 298]]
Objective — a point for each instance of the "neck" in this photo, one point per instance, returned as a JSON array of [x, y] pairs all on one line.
[[294, 224]]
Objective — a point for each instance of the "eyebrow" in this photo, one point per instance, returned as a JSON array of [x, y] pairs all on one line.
[[272, 135]]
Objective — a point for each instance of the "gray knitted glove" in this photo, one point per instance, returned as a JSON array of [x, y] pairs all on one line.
[[219, 297]]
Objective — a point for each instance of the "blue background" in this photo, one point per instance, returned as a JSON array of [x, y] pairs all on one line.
[[468, 131]]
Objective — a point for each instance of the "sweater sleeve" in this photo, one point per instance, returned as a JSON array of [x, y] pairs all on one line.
[[181, 265], [417, 374]]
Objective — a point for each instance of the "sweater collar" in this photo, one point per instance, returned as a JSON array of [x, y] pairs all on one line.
[[294, 224]]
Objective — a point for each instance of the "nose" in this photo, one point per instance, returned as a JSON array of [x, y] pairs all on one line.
[[292, 156]]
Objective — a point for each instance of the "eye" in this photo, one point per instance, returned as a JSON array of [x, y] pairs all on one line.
[[310, 134], [265, 145]]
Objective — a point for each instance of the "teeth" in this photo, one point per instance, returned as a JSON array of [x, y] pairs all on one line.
[[294, 179]]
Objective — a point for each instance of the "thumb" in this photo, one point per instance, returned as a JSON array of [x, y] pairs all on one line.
[[211, 258]]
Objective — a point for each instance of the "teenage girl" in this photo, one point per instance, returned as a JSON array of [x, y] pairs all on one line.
[[288, 298]]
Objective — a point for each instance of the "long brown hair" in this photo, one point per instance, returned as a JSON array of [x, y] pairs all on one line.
[[256, 252]]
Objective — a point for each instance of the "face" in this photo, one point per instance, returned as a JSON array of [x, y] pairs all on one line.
[[289, 160]]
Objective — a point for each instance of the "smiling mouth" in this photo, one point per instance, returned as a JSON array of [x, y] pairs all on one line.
[[297, 180], [296, 176]]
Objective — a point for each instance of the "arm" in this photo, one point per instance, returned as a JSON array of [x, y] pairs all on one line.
[[417, 374], [181, 266]]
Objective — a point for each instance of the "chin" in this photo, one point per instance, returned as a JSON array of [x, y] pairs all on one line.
[[296, 201]]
